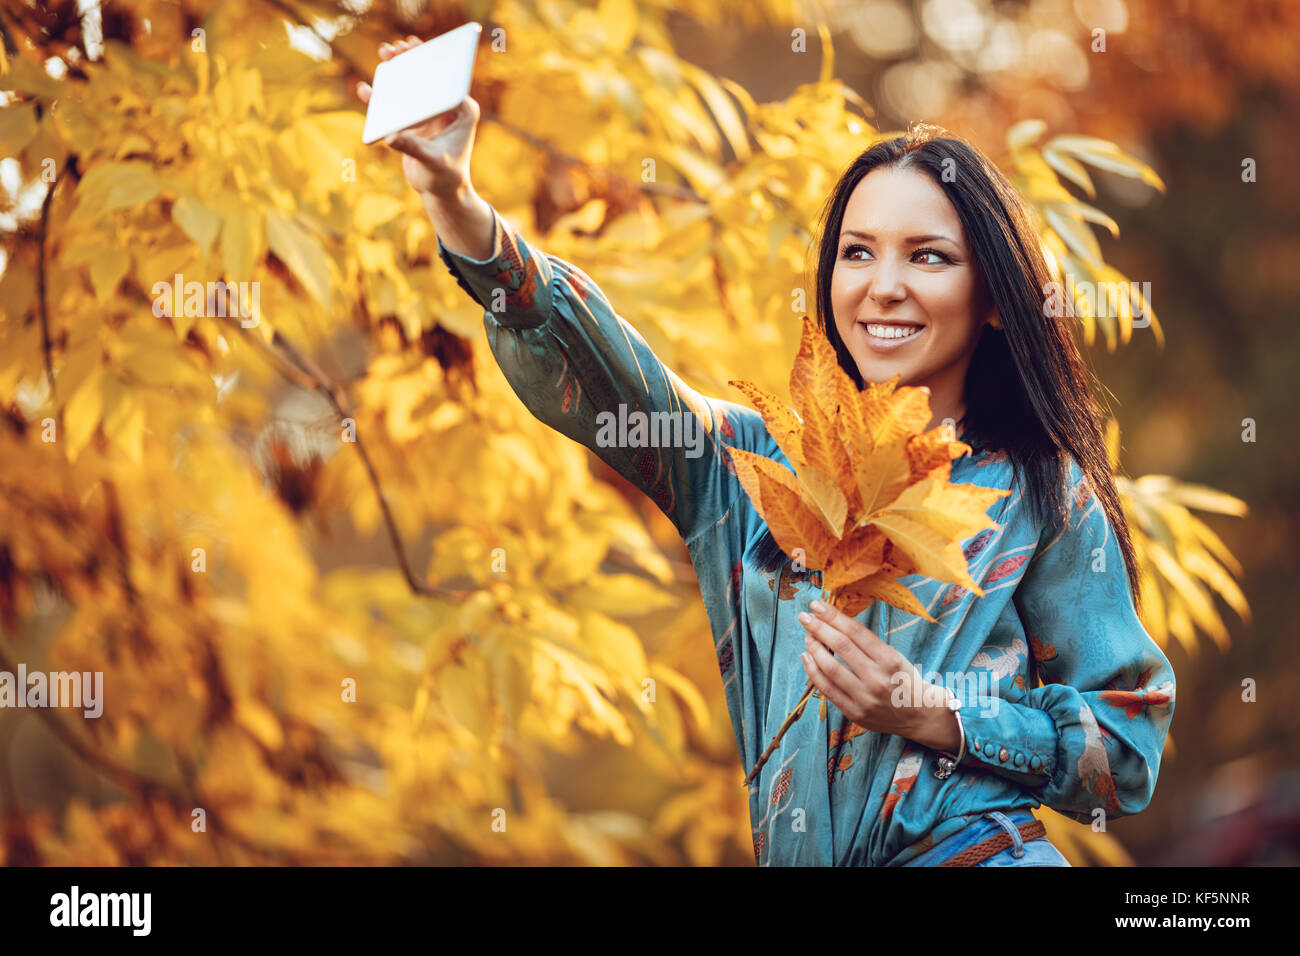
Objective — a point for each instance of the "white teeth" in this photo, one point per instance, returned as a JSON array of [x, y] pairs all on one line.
[[892, 331]]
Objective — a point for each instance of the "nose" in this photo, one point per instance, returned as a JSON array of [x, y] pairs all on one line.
[[887, 282]]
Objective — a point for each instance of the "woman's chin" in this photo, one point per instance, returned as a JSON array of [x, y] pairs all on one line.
[[878, 373]]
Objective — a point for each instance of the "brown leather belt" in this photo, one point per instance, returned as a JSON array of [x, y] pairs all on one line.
[[996, 844]]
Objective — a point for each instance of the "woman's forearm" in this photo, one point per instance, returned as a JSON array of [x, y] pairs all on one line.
[[463, 221]]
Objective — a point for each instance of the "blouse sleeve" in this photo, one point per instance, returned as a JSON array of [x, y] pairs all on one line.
[[1093, 734], [583, 370]]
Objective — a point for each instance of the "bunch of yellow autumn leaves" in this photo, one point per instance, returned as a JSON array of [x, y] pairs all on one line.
[[870, 498]]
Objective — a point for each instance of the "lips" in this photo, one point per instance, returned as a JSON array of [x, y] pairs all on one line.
[[889, 335]]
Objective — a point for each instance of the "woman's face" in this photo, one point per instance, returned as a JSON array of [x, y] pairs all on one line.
[[907, 296]]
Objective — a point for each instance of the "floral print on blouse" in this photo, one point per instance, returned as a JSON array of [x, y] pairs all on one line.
[[1066, 698]]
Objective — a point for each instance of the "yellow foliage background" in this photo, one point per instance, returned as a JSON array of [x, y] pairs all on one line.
[[351, 601]]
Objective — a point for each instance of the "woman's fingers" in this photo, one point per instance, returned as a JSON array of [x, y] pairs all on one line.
[[409, 144], [363, 92], [861, 637], [836, 640], [829, 688], [835, 671], [389, 50]]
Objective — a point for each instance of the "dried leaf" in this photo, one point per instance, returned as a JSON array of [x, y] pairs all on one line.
[[870, 499], [794, 519]]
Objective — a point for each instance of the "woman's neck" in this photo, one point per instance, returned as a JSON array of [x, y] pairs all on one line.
[[954, 412]]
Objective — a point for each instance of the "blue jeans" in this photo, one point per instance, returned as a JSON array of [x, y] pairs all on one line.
[[1039, 852]]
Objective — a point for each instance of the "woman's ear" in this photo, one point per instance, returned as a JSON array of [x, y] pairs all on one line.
[[994, 319]]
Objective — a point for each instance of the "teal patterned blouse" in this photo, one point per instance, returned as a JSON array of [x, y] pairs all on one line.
[[1066, 698]]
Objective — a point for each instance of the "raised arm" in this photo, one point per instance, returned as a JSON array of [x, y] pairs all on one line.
[[575, 364], [585, 371]]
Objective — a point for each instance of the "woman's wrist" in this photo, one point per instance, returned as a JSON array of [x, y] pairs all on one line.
[[939, 730], [463, 220]]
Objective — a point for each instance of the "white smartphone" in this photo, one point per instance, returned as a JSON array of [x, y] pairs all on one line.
[[421, 83]]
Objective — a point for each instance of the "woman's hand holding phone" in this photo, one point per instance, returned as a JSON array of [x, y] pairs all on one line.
[[435, 162], [436, 152]]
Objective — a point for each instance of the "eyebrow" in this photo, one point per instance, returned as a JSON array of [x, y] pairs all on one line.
[[870, 238]]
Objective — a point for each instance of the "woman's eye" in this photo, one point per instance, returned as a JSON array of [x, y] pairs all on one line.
[[850, 249], [931, 252]]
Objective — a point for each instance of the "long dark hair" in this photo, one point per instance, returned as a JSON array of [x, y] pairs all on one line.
[[1028, 392]]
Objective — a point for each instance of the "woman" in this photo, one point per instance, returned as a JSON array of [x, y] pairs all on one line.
[[929, 269]]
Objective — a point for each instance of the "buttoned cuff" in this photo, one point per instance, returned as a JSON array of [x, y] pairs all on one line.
[[1015, 740], [512, 283]]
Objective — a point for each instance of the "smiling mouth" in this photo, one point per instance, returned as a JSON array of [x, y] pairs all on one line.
[[891, 332]]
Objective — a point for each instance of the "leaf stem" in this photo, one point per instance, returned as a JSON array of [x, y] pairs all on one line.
[[790, 718]]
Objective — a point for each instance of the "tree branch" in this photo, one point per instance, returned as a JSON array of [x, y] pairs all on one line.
[[42, 302], [300, 370]]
